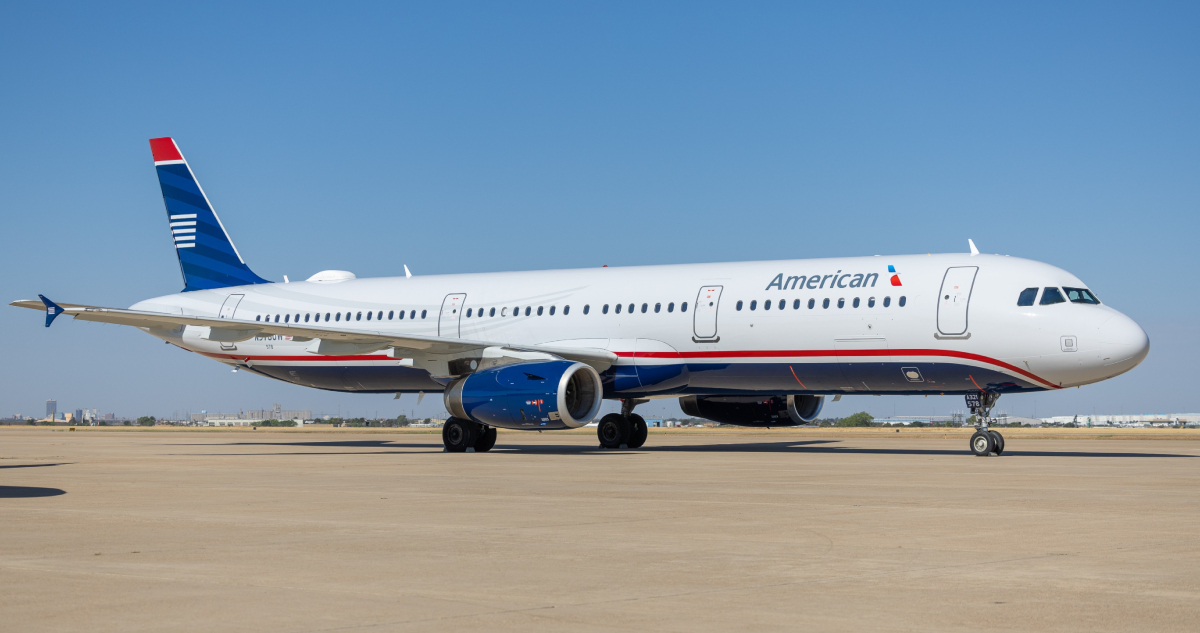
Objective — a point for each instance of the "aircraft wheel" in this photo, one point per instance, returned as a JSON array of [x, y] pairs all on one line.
[[638, 431], [982, 443], [613, 431], [486, 440], [459, 434], [997, 441]]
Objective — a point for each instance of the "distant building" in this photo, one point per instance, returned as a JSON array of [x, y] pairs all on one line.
[[51, 409]]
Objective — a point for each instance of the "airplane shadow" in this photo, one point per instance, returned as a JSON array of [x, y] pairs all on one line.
[[32, 465], [790, 446], [28, 492]]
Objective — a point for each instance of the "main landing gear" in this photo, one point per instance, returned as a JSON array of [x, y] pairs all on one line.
[[465, 436], [985, 441], [623, 430]]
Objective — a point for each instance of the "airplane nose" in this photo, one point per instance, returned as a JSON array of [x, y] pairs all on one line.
[[1123, 343]]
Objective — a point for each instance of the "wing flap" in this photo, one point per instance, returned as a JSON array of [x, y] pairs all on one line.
[[330, 338]]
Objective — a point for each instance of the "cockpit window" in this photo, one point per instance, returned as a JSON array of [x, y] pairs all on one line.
[[1081, 295], [1027, 297], [1050, 296]]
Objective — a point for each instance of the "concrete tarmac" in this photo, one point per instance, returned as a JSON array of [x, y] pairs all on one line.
[[378, 531]]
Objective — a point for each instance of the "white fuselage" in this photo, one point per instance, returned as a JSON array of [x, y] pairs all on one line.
[[922, 336]]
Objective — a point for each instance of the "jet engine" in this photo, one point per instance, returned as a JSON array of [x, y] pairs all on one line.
[[754, 410], [553, 394]]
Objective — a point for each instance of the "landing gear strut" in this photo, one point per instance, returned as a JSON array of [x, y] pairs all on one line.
[[625, 429], [465, 436], [985, 441]]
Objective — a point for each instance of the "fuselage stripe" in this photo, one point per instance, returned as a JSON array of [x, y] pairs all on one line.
[[708, 355]]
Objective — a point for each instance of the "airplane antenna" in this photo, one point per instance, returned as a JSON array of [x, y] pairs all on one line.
[[406, 273], [974, 251]]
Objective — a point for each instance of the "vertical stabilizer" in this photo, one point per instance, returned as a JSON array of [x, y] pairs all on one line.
[[207, 257]]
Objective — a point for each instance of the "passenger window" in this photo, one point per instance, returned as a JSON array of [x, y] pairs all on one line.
[[856, 302], [258, 318], [753, 305], [551, 310], [368, 316], [566, 310], [871, 302], [391, 313], [503, 311], [1051, 296], [796, 304], [812, 303], [887, 301], [841, 303], [379, 317], [644, 308], [738, 307], [657, 308], [401, 315], [468, 313], [339, 317], [423, 313], [767, 305], [782, 303], [1027, 297], [413, 314], [277, 318], [631, 308], [604, 310], [358, 317], [492, 312], [539, 310], [825, 304], [297, 319], [327, 317], [903, 300], [671, 307], [619, 308], [683, 307], [587, 307], [1081, 295], [527, 310]]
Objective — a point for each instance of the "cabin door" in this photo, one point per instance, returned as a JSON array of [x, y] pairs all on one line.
[[704, 319], [230, 306], [451, 316], [954, 299]]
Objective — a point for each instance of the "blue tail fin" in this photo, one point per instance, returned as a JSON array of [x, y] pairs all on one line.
[[207, 257]]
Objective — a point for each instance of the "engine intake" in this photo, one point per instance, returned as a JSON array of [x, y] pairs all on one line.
[[754, 410], [556, 394]]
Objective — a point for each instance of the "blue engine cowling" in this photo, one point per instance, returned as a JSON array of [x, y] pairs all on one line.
[[555, 394]]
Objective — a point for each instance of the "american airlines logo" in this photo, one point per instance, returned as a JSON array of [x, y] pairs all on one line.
[[836, 280]]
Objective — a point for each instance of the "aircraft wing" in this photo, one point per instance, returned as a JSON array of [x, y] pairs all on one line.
[[325, 340]]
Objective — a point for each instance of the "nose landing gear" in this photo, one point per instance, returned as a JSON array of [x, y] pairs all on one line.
[[985, 441]]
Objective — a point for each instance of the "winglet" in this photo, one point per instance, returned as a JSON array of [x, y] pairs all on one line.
[[974, 251], [52, 310]]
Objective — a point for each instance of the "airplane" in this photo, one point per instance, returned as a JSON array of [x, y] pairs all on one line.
[[743, 343]]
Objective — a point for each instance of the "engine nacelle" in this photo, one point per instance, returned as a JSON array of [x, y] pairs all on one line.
[[754, 410], [554, 394]]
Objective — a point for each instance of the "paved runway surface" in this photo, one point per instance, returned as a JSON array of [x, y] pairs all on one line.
[[285, 531]]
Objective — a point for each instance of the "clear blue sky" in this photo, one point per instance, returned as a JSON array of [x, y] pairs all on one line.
[[484, 137]]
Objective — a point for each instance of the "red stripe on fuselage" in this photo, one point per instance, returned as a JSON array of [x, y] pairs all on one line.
[[809, 353], [795, 353]]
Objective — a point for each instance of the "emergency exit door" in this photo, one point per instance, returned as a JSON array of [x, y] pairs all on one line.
[[954, 299], [704, 320], [229, 308], [448, 320]]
